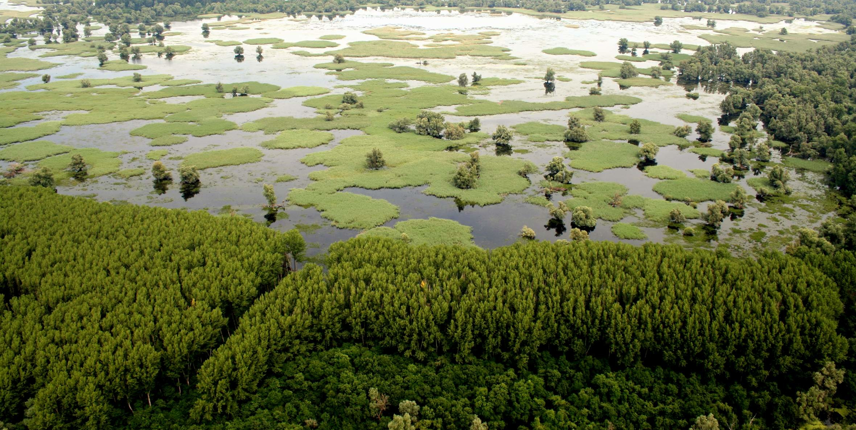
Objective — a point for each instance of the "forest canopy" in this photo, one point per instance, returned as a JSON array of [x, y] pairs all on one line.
[[137, 317]]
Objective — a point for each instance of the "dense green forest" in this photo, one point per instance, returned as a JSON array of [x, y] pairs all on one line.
[[805, 100], [139, 317]]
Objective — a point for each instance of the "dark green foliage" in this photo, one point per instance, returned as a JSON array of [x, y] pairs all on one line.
[[430, 124], [502, 135], [474, 125], [104, 305], [374, 159], [401, 125], [704, 130], [78, 168], [478, 310], [42, 177], [628, 71]]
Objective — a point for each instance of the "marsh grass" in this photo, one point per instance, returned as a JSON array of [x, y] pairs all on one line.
[[540, 132], [207, 127], [332, 37], [485, 107], [156, 154], [285, 178], [429, 232], [100, 163], [696, 190], [291, 139], [9, 80], [31, 151], [566, 51], [708, 152], [223, 157], [23, 134], [169, 140], [693, 119], [642, 82], [304, 44], [401, 49], [658, 210], [818, 166], [121, 66], [130, 173], [664, 172], [346, 210], [355, 70], [792, 42], [628, 231], [263, 41], [287, 93]]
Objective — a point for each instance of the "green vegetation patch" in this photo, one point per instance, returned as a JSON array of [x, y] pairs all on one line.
[[628, 231], [305, 44], [696, 190], [598, 196], [223, 157], [540, 132], [642, 82], [291, 139], [566, 51], [263, 41], [206, 127], [200, 110], [485, 107], [18, 64], [210, 90], [31, 151], [773, 40], [130, 173], [354, 70], [287, 93], [430, 232], [285, 178], [819, 166], [224, 42], [168, 140], [708, 152], [599, 156], [124, 81], [664, 172], [346, 210], [332, 37], [100, 163], [23, 134], [658, 210], [156, 154], [694, 119], [9, 80], [399, 49], [121, 66]]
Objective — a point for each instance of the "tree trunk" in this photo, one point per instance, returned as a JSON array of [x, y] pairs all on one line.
[[149, 398]]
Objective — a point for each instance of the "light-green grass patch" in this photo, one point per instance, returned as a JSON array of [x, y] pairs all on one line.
[[305, 44], [697, 190], [628, 231], [223, 157], [431, 231], [130, 173], [17, 64], [708, 152], [291, 139], [658, 210], [203, 128], [9, 80], [400, 49], [694, 119], [792, 42], [540, 132], [354, 70], [169, 140], [156, 154], [285, 178], [31, 151], [819, 166], [664, 172], [287, 93], [263, 41], [121, 66], [700, 173], [332, 37], [485, 107], [224, 42], [346, 210], [23, 134], [599, 156], [597, 196], [566, 51], [99, 162], [642, 82]]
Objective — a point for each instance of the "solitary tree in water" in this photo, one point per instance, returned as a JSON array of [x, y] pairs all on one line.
[[78, 167], [159, 172], [502, 136], [463, 81]]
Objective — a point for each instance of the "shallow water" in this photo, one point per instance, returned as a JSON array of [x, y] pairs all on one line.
[[236, 190]]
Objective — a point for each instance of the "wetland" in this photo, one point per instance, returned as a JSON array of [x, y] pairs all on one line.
[[279, 113]]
